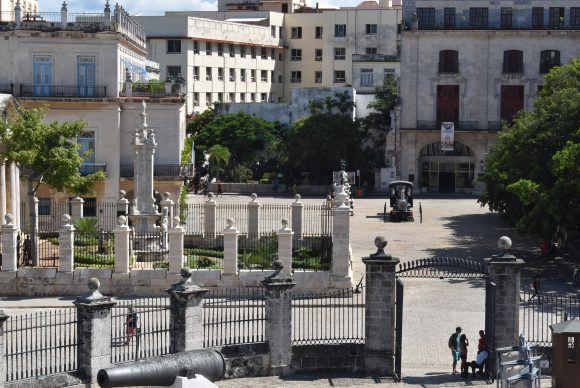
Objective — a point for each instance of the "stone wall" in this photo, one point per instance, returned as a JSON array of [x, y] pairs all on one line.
[[328, 358]]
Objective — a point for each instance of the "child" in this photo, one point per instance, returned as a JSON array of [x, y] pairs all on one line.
[[463, 344]]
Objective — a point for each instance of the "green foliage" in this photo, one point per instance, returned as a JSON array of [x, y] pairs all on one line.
[[533, 174], [240, 174], [262, 255], [217, 155], [87, 225], [386, 99], [183, 204], [306, 258], [151, 86], [196, 129], [206, 258]]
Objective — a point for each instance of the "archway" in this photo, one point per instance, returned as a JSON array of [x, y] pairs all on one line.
[[447, 171]]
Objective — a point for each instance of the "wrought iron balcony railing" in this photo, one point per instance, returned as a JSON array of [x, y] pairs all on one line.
[[375, 58], [513, 68], [436, 125], [6, 88], [87, 169], [448, 67], [159, 170], [56, 91]]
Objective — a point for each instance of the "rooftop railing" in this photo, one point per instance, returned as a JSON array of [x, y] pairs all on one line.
[[60, 91], [375, 58]]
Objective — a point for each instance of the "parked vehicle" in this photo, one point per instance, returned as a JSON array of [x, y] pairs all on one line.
[[401, 201]]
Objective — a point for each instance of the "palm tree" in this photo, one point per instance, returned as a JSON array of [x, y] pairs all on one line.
[[217, 154]]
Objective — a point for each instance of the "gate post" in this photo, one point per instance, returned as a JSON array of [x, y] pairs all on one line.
[[504, 272], [380, 310]]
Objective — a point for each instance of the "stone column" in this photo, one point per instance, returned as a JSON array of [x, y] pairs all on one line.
[[18, 14], [63, 16], [285, 247], [66, 237], [122, 204], [14, 202], [18, 215], [3, 318], [9, 245], [230, 249], [279, 320], [167, 208], [76, 208], [122, 257], [253, 217], [93, 331], [107, 20], [380, 284], [504, 271], [186, 314], [341, 265], [2, 190], [176, 257], [297, 216], [209, 224]]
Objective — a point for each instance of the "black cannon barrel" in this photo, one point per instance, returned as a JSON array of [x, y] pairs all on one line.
[[164, 370]]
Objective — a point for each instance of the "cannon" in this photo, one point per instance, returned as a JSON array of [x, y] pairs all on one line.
[[164, 370]]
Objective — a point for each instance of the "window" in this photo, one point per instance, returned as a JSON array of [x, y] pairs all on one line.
[[280, 79], [388, 73], [296, 77], [340, 30], [220, 74], [253, 52], [263, 53], [243, 51], [207, 48], [318, 32], [252, 75], [280, 32], [371, 29], [548, 60], [538, 17], [86, 142], [232, 50], [371, 51], [478, 17], [296, 33], [44, 206], [272, 53], [173, 46], [575, 17], [366, 77], [317, 77], [264, 97], [173, 71], [513, 61], [208, 73], [272, 78], [195, 98], [280, 57], [296, 55], [339, 76], [242, 97], [208, 99], [506, 18], [220, 49], [264, 75], [449, 18], [232, 74], [448, 61], [339, 53], [220, 97], [243, 75], [196, 73], [273, 31], [90, 207], [232, 97], [426, 17], [252, 97], [556, 16], [195, 47], [318, 54]]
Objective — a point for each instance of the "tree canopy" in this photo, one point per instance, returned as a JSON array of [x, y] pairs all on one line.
[[386, 99], [533, 174]]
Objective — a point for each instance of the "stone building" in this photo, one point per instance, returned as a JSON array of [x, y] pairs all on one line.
[[7, 8], [476, 64]]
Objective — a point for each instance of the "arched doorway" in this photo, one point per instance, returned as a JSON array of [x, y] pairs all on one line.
[[447, 171]]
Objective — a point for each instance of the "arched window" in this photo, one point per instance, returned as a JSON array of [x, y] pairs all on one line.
[[513, 61], [448, 61], [549, 59]]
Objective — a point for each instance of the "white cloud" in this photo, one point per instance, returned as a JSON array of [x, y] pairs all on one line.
[[145, 7]]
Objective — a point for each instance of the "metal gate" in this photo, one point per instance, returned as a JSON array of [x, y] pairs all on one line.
[[490, 290], [399, 289]]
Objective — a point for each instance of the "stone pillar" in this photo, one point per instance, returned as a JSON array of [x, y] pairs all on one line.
[[230, 249], [279, 320], [107, 13], [253, 217], [297, 216], [285, 247], [18, 215], [122, 256], [209, 224], [3, 318], [341, 263], [380, 282], [167, 208], [2, 190], [18, 14], [122, 204], [66, 237], [14, 202], [63, 16], [504, 271], [176, 257], [76, 208], [186, 314], [93, 331], [9, 245]]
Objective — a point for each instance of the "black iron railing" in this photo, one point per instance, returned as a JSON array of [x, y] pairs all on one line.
[[159, 170], [204, 252], [375, 58], [271, 215], [494, 125], [6, 88], [448, 67], [87, 169], [311, 252], [149, 250], [58, 91], [442, 267], [257, 251], [94, 249], [436, 125], [513, 68]]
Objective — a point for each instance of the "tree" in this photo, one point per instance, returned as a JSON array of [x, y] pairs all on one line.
[[46, 153], [218, 154], [533, 174], [386, 99], [195, 127]]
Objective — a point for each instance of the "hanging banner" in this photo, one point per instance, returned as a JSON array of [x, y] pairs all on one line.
[[447, 136]]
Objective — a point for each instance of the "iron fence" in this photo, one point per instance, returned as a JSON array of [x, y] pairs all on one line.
[[104, 212], [234, 316], [317, 220], [204, 252], [94, 249], [271, 216], [257, 251], [40, 343], [334, 317], [149, 249], [152, 336], [237, 211], [310, 252], [192, 217]]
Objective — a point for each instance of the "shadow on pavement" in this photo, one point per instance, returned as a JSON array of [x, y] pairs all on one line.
[[446, 379]]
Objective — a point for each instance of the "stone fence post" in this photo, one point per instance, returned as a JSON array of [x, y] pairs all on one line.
[[380, 282], [297, 216], [341, 261], [186, 314], [18, 14], [63, 16], [278, 309], [93, 331], [66, 236], [76, 208], [167, 208], [3, 318], [122, 232], [230, 249], [9, 245], [209, 224], [107, 20], [285, 247], [253, 216], [176, 257]]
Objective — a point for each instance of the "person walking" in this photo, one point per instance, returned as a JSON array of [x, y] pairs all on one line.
[[220, 187], [463, 344], [536, 289], [131, 322], [454, 346]]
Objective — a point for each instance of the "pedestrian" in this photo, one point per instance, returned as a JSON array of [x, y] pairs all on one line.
[[27, 247], [131, 322], [220, 187], [420, 213], [482, 343], [463, 344], [535, 288], [454, 346]]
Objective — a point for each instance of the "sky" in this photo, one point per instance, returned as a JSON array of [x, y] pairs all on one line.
[[148, 7]]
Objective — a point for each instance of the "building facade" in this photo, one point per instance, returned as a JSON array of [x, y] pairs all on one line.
[[474, 64]]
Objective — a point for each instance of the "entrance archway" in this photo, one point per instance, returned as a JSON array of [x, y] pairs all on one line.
[[447, 171]]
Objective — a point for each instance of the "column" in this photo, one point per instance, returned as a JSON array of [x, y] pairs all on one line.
[[176, 257], [121, 233], [3, 318], [66, 237], [17, 215], [76, 208], [93, 331], [209, 224], [380, 284], [63, 16], [107, 15], [2, 190], [9, 245], [341, 268], [297, 216], [186, 314], [278, 329], [504, 271], [167, 208], [253, 216], [285, 247], [230, 249], [14, 202]]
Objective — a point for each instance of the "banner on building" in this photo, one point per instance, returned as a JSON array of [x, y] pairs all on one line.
[[447, 136]]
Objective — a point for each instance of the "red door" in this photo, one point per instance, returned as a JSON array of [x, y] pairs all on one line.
[[512, 101], [447, 103]]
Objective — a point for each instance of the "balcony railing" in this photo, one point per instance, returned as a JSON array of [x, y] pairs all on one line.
[[493, 24], [448, 67], [56, 91], [375, 58], [159, 170], [87, 169], [7, 88], [513, 68], [494, 125], [436, 125]]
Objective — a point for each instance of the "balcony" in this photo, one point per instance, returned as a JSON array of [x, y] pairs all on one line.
[[428, 125], [448, 67], [91, 168], [63, 91], [513, 68], [159, 170], [151, 89], [375, 58]]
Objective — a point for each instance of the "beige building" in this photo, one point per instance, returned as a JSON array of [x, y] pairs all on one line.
[[283, 6], [29, 7]]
